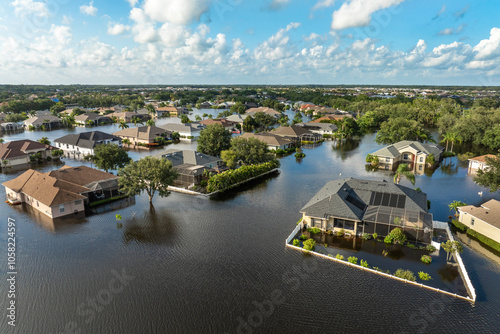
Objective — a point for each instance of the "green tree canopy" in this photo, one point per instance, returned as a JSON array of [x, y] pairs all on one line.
[[455, 205], [250, 151], [110, 156], [44, 140], [398, 129], [404, 170], [213, 140], [148, 174], [238, 108], [452, 247]]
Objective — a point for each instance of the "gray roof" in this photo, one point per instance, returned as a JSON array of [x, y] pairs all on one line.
[[237, 118], [86, 139], [349, 198], [317, 126], [182, 157], [39, 120], [90, 116], [394, 150], [182, 127]]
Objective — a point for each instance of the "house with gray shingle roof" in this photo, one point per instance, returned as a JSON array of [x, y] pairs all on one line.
[[79, 145], [413, 153], [363, 206], [186, 130]]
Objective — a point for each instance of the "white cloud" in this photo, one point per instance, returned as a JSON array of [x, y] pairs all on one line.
[[133, 2], [143, 29], [176, 11], [489, 48], [117, 29], [323, 4], [357, 13], [88, 9], [452, 31], [26, 7], [66, 20], [276, 47], [278, 4]]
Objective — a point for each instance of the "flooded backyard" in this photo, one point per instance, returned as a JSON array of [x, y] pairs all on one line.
[[197, 265]]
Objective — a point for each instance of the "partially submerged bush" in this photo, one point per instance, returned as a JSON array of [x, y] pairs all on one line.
[[426, 259], [352, 259], [309, 244], [405, 274], [424, 276]]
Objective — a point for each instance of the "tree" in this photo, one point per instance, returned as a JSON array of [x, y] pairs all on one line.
[[404, 170], [447, 137], [185, 119], [397, 235], [1, 141], [198, 118], [176, 136], [56, 153], [238, 108], [137, 120], [229, 157], [398, 129], [250, 151], [148, 174], [452, 247], [264, 120], [491, 177], [110, 156], [249, 124], [151, 109], [57, 108], [455, 205], [44, 140], [150, 122], [213, 140], [123, 125]]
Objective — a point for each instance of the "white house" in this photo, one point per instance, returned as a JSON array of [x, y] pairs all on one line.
[[79, 145]]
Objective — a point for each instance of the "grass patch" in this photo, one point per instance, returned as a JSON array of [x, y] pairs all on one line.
[[459, 225], [484, 239]]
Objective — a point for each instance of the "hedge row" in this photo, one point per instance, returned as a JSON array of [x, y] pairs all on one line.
[[484, 239], [459, 225], [228, 178]]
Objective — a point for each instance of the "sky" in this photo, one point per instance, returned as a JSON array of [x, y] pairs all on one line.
[[162, 42]]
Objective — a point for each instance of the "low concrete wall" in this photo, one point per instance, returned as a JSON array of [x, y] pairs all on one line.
[[468, 283]]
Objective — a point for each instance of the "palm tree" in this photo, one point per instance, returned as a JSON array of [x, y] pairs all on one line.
[[123, 125], [151, 109], [455, 138], [404, 170], [44, 140], [150, 122], [137, 120], [455, 205], [447, 137]]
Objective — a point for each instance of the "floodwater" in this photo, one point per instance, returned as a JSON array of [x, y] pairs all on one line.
[[198, 265]]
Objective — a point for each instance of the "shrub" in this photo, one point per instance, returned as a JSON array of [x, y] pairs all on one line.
[[388, 239], [203, 183], [366, 236], [296, 242], [385, 253], [405, 274], [430, 248], [341, 232], [303, 237], [339, 257], [375, 235], [426, 259], [364, 264], [424, 276], [314, 230], [459, 225], [397, 235], [412, 246], [352, 259], [309, 244], [484, 239]]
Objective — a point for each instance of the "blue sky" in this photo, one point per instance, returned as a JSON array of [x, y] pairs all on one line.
[[250, 42]]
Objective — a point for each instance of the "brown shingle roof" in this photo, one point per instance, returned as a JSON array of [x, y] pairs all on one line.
[[223, 122], [81, 175], [18, 148], [268, 138], [292, 131], [488, 212], [482, 158], [141, 132], [331, 118]]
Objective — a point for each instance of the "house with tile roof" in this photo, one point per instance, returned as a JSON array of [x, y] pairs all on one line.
[[273, 142], [187, 131], [128, 116], [96, 119], [61, 192], [46, 122], [478, 163], [364, 206], [265, 110], [227, 124], [484, 219], [145, 135], [79, 145], [297, 133], [319, 128], [413, 153], [18, 152]]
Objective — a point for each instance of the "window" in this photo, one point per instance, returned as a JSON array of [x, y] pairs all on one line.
[[472, 222], [419, 167], [405, 156], [61, 208], [37, 204], [387, 160], [421, 159]]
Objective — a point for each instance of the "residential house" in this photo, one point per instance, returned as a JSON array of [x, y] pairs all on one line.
[[62, 192], [238, 119], [297, 134], [77, 146], [10, 126], [319, 128], [478, 163], [47, 122], [166, 111], [484, 219], [206, 105], [265, 110], [90, 117], [2, 116], [142, 135], [273, 142], [18, 152], [191, 165], [412, 152], [363, 206], [226, 124], [185, 130], [331, 117], [128, 116]]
